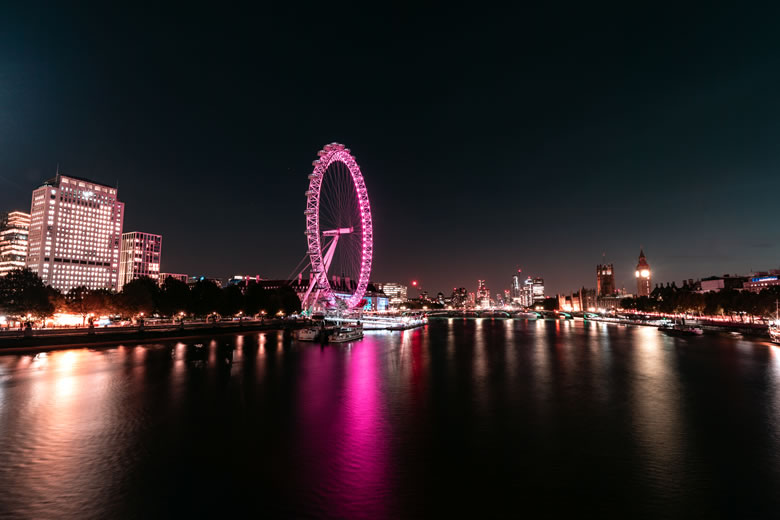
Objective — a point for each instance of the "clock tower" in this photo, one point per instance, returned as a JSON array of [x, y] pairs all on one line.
[[642, 275]]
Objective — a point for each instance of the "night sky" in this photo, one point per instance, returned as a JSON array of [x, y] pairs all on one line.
[[490, 140]]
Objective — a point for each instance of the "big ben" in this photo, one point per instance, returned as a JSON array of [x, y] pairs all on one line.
[[642, 275]]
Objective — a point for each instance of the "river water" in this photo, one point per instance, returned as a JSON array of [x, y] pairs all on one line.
[[463, 418]]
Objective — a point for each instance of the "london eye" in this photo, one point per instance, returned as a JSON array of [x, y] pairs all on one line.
[[339, 231]]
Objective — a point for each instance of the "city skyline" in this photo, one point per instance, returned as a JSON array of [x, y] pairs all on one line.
[[481, 147]]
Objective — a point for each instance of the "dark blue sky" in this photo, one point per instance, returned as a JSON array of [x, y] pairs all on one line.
[[489, 140]]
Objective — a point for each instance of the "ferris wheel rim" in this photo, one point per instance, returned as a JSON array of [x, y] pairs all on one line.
[[336, 152]]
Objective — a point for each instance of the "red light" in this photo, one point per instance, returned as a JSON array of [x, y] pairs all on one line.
[[414, 283]]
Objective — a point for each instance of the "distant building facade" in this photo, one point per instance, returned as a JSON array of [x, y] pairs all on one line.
[[192, 280], [643, 276], [719, 283], [483, 295], [176, 276], [14, 241], [140, 257], [395, 292], [762, 280], [75, 234], [605, 280], [516, 290]]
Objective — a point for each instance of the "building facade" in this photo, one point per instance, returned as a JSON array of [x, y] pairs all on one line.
[[719, 283], [517, 289], [14, 241], [140, 257], [395, 292], [483, 295], [643, 276], [605, 280], [762, 280], [181, 277], [75, 234]]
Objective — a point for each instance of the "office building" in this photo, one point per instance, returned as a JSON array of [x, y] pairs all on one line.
[[719, 283], [181, 277], [460, 297], [605, 280], [517, 288], [762, 280], [533, 291], [395, 292], [483, 295], [643, 276], [75, 234], [140, 257], [14, 234]]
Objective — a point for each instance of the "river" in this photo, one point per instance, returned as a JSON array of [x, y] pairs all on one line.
[[462, 418]]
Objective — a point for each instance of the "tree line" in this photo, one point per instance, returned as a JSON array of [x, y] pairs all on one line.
[[727, 302], [23, 293]]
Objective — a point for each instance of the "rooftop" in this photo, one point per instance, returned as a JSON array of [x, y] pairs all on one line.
[[55, 181]]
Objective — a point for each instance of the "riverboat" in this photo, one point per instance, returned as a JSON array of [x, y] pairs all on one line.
[[318, 333], [346, 334], [774, 332], [681, 329], [774, 326]]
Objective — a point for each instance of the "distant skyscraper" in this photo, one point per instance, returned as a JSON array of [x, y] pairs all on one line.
[[538, 290], [533, 291], [14, 231], [140, 256], [643, 277], [483, 295], [460, 297], [605, 280], [516, 289], [75, 233]]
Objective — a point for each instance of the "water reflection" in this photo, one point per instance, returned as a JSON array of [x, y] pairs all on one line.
[[460, 418]]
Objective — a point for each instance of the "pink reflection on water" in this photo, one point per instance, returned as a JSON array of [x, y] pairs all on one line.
[[345, 430]]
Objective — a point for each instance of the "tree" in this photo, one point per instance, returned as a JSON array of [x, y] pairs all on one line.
[[22, 292], [174, 297], [77, 302], [232, 300], [139, 296], [254, 299], [205, 298]]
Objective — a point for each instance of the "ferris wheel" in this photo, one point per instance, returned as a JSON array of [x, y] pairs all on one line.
[[339, 231]]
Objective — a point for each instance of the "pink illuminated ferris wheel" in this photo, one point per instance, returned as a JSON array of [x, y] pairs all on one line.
[[338, 230]]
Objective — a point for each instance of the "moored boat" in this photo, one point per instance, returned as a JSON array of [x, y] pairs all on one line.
[[681, 329], [346, 334]]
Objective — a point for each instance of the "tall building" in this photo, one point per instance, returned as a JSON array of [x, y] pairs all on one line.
[[517, 288], [14, 232], [460, 297], [75, 234], [538, 290], [483, 294], [532, 292], [605, 280], [140, 256], [395, 292], [643, 277]]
